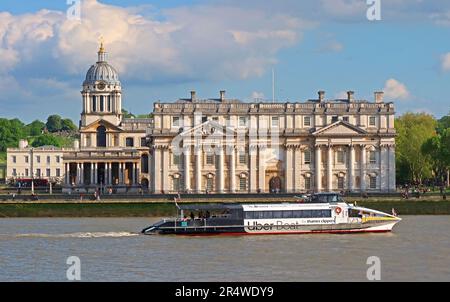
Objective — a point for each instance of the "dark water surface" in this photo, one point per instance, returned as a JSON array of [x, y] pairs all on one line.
[[110, 249]]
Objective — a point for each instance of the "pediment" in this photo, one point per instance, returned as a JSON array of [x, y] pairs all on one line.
[[340, 128], [93, 126]]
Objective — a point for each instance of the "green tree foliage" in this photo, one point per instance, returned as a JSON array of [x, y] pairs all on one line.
[[54, 123], [413, 130], [127, 114], [443, 123], [47, 140], [34, 128], [11, 131], [68, 125]]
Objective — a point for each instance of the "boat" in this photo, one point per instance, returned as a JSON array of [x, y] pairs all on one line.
[[315, 213]]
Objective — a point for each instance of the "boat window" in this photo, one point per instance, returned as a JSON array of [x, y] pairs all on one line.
[[277, 214], [268, 215], [288, 214], [333, 198]]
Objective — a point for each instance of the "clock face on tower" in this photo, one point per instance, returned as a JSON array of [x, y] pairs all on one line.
[[101, 86]]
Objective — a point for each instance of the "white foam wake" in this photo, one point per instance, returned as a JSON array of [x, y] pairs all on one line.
[[80, 235]]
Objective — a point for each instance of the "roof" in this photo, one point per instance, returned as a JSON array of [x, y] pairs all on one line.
[[209, 207]]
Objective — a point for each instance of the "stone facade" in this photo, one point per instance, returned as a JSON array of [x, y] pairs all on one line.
[[227, 146]]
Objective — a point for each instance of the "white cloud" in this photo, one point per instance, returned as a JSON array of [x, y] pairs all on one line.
[[395, 90], [180, 44], [445, 62]]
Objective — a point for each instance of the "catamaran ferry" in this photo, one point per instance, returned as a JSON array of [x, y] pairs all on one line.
[[317, 213]]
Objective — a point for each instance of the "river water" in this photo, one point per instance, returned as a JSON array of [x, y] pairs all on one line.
[[110, 249]]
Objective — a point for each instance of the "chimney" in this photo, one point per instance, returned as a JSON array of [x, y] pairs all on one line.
[[23, 143], [321, 96], [222, 95], [193, 96], [379, 96], [350, 96]]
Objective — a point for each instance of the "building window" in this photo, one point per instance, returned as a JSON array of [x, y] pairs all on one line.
[[27, 172], [210, 159], [38, 159], [101, 136], [242, 184], [371, 121], [345, 119], [340, 183], [175, 121], [307, 121], [14, 159], [101, 103], [204, 119], [176, 185], [210, 184], [242, 158], [143, 142], [48, 159], [94, 103], [334, 119], [38, 172], [340, 157], [372, 157], [307, 157], [58, 159], [242, 121], [26, 159], [215, 118], [144, 163], [308, 183], [176, 159], [58, 172], [129, 142], [373, 182], [109, 103], [275, 122], [14, 172], [47, 172]]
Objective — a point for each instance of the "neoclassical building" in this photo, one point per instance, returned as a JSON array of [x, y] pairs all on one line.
[[226, 146], [112, 151]]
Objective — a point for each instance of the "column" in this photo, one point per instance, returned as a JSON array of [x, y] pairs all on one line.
[[198, 169], [95, 173], [121, 176], [363, 168], [82, 173], [109, 173], [157, 170], [391, 164], [67, 173], [288, 169], [253, 168], [330, 169], [383, 169], [165, 169], [137, 174], [350, 168], [261, 169], [78, 174], [187, 163], [317, 160], [133, 174], [92, 173], [232, 169], [221, 174]]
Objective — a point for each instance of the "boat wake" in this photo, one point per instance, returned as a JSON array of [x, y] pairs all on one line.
[[80, 235]]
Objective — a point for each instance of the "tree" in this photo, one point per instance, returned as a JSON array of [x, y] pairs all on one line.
[[443, 123], [34, 128], [11, 131], [413, 130], [127, 114], [68, 125], [54, 123], [47, 139]]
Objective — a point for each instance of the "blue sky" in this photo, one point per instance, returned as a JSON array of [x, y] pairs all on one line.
[[164, 49]]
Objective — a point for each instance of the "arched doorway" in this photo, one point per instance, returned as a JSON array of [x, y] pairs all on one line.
[[275, 185], [101, 136]]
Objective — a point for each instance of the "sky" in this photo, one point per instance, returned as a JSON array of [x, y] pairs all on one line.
[[164, 49]]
